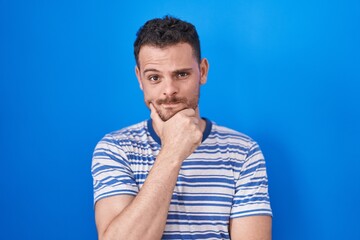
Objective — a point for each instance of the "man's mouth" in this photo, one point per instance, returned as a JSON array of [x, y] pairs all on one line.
[[170, 104]]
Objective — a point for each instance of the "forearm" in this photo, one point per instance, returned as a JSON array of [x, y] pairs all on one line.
[[145, 217]]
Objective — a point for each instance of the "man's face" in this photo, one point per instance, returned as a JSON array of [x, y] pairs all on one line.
[[170, 78]]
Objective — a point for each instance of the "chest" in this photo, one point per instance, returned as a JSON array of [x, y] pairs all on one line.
[[205, 181]]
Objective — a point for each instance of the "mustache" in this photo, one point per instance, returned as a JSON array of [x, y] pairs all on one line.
[[171, 100]]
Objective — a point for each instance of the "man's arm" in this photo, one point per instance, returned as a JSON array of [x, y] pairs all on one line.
[[252, 198], [251, 228], [144, 216]]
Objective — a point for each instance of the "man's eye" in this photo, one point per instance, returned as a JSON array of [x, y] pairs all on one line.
[[182, 74], [153, 78]]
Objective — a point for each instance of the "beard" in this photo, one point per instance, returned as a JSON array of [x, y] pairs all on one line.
[[166, 114]]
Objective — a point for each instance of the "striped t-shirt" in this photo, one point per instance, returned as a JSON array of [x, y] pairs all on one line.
[[224, 178]]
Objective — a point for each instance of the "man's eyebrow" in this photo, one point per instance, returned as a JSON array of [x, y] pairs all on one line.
[[175, 71], [183, 70], [150, 70]]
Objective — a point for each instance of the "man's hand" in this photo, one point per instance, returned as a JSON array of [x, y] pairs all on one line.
[[181, 134]]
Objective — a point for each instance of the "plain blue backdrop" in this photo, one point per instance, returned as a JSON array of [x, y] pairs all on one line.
[[284, 72]]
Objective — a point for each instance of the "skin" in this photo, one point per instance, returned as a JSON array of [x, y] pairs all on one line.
[[170, 79]]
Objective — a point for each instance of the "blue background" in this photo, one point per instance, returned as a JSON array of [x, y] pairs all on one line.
[[284, 72]]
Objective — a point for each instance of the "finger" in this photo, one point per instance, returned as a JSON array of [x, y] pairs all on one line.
[[155, 116], [196, 120], [189, 112]]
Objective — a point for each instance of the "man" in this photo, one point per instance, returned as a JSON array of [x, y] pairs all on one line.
[[177, 175]]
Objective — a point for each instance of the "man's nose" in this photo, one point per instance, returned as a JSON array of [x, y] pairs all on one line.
[[170, 87]]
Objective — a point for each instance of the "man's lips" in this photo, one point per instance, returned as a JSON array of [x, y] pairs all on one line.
[[170, 105]]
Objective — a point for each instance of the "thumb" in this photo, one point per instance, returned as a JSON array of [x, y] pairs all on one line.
[[157, 121]]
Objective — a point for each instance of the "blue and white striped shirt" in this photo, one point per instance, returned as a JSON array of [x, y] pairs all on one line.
[[224, 178]]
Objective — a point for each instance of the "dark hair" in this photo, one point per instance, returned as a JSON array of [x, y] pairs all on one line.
[[164, 32]]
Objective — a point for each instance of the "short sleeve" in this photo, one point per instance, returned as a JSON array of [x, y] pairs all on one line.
[[251, 188], [111, 171]]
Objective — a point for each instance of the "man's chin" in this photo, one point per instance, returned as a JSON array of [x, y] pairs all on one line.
[[166, 116], [165, 112]]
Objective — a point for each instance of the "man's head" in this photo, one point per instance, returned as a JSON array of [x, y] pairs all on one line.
[[169, 69], [164, 32]]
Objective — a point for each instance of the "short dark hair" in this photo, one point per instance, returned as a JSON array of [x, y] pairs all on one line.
[[164, 32]]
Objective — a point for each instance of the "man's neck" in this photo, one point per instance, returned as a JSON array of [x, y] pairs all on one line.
[[202, 122], [202, 125]]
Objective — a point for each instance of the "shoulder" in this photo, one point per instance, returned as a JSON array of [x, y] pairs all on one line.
[[124, 137], [135, 131], [234, 136]]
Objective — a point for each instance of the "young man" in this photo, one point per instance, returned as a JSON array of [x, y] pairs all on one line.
[[177, 175]]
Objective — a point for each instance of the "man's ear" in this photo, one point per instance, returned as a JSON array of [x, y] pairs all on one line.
[[204, 69], [138, 76]]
